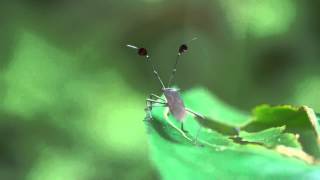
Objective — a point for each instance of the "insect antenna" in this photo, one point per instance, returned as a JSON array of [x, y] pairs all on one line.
[[143, 52], [183, 48]]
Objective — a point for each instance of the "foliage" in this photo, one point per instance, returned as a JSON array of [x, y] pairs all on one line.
[[277, 142]]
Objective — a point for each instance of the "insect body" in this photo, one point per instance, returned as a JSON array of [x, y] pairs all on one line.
[[172, 96], [175, 103]]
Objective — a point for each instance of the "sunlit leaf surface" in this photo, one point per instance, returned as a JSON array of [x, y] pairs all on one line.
[[269, 153]]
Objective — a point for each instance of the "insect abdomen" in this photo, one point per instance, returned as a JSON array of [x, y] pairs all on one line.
[[175, 104]]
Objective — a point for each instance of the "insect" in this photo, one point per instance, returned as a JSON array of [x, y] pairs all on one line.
[[172, 95]]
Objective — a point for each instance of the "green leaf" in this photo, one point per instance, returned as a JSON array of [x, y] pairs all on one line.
[[217, 155], [301, 121], [202, 101], [271, 138]]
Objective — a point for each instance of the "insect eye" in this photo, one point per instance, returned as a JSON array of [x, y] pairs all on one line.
[[142, 52], [183, 48]]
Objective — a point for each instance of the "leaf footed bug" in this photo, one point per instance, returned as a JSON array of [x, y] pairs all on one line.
[[172, 96]]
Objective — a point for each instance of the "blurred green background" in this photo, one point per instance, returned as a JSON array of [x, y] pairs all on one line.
[[73, 96]]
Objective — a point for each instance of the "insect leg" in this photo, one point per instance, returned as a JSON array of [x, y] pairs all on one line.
[[148, 111], [150, 103], [197, 135], [150, 100], [176, 128], [198, 115], [158, 97], [182, 129], [155, 101]]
